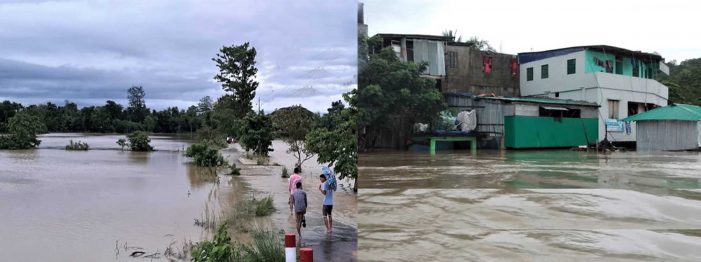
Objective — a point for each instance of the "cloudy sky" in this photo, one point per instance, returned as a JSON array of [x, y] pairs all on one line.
[[667, 27], [92, 51]]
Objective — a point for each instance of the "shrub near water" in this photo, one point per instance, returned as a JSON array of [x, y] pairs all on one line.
[[205, 155], [266, 246], [139, 141], [77, 146]]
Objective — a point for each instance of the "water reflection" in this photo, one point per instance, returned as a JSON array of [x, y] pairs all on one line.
[[75, 205]]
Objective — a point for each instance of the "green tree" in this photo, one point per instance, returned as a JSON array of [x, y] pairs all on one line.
[[23, 128], [139, 141], [684, 81], [137, 110], [257, 134], [335, 138], [481, 44], [392, 96], [452, 36], [292, 125], [237, 72]]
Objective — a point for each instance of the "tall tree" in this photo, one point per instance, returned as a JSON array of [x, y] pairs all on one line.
[[137, 110], [334, 140], [292, 125], [392, 96], [257, 133], [237, 73]]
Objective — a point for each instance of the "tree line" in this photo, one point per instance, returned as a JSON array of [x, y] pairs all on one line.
[[331, 137], [684, 81], [111, 117]]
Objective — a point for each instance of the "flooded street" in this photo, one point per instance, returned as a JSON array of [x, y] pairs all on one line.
[[342, 245], [530, 205], [58, 205]]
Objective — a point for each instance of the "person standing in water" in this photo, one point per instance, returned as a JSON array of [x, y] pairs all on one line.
[[327, 190], [299, 198], [294, 178]]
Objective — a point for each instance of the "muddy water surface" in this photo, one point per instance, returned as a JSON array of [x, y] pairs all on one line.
[[529, 205], [57, 205]]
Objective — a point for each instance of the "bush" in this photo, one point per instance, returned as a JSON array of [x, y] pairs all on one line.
[[263, 207], [23, 129], [122, 142], [235, 171], [266, 246], [219, 249], [205, 155], [139, 141], [285, 172], [77, 146]]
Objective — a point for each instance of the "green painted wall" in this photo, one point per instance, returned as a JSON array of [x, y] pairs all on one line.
[[591, 67], [544, 132]]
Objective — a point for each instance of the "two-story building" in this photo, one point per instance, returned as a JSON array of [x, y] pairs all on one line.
[[621, 81], [457, 67]]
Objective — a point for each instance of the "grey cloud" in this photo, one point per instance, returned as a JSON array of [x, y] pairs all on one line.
[[89, 52]]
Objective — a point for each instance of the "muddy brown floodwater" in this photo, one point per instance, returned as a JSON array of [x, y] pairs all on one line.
[[529, 206], [58, 205]]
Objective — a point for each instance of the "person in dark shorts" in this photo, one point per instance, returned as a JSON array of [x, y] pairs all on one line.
[[299, 198], [327, 207]]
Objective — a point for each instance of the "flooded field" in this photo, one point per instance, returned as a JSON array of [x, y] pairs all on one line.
[[58, 205], [529, 205]]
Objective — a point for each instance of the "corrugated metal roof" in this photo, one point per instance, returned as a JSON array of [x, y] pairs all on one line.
[[538, 100], [681, 112]]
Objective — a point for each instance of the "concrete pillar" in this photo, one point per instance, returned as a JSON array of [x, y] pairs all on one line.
[[290, 247]]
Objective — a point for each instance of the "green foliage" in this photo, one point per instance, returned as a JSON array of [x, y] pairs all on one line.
[[122, 143], [23, 128], [77, 146], [139, 141], [233, 170], [257, 134], [7, 110], [335, 140], [219, 249], [285, 173], [205, 155], [684, 82], [211, 137], [237, 73], [263, 207], [266, 246], [137, 110], [292, 124], [392, 96]]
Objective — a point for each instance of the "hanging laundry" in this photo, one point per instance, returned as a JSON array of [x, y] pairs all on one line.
[[487, 65]]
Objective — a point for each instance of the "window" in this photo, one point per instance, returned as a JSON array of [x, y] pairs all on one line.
[[529, 74], [571, 66], [619, 65], [452, 61], [544, 71], [613, 109], [559, 112]]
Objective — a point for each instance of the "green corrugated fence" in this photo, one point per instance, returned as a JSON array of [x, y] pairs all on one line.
[[544, 132]]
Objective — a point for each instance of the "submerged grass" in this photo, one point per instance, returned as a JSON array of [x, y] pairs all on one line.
[[265, 246], [77, 146]]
